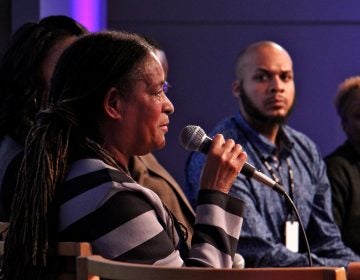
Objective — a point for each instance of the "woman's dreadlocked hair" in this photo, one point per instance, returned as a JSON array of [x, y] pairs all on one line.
[[85, 72]]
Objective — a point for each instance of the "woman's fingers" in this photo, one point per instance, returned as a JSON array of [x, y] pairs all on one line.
[[224, 162]]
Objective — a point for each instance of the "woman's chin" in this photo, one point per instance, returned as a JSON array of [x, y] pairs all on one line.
[[160, 145]]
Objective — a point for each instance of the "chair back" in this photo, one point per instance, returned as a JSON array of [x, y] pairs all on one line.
[[67, 254], [353, 271], [98, 266], [3, 230]]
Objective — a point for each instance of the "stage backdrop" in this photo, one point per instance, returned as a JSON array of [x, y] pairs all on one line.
[[202, 39]]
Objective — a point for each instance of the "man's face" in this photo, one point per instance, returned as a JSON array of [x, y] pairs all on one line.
[[266, 86]]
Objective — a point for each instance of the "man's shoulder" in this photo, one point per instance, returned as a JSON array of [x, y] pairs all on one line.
[[298, 136], [227, 127]]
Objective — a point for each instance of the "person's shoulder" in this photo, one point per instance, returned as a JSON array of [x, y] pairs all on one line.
[[336, 153], [299, 137], [9, 147], [92, 175], [297, 134], [150, 162], [95, 169], [304, 145], [342, 155], [227, 126], [11, 153], [87, 165], [147, 166], [196, 159]]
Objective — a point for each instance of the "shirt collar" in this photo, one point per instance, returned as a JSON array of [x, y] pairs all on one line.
[[261, 143]]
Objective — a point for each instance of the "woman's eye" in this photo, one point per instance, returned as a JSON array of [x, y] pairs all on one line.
[[162, 90], [158, 92], [165, 87]]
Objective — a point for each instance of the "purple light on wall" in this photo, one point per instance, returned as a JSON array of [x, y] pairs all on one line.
[[90, 13]]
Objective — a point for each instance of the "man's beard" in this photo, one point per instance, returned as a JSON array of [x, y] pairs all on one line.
[[257, 115]]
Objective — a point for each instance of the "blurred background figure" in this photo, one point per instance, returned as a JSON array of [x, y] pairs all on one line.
[[343, 165], [160, 53], [25, 72]]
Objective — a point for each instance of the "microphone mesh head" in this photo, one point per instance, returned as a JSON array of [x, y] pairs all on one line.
[[191, 137]]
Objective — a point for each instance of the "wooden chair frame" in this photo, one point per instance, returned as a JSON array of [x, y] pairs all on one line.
[[94, 265], [353, 271], [91, 267]]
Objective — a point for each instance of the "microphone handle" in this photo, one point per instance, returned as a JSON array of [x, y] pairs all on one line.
[[205, 144]]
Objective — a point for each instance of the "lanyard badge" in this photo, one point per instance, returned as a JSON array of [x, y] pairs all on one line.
[[292, 236]]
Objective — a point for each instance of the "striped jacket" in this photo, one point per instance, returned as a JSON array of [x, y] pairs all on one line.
[[127, 222]]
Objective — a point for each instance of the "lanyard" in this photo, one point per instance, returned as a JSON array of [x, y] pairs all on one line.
[[276, 177], [273, 174]]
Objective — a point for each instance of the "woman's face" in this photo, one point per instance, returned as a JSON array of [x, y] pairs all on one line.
[[146, 110]]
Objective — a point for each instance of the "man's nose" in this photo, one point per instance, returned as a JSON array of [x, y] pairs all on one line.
[[277, 84]]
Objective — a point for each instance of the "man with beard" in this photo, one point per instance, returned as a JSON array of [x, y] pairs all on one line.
[[265, 90]]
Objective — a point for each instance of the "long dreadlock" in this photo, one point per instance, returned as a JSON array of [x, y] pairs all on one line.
[[47, 147], [42, 168]]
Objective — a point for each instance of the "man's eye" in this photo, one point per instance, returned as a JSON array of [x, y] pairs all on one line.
[[261, 77], [286, 77]]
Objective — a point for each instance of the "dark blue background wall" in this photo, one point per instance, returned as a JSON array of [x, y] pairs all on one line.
[[202, 39]]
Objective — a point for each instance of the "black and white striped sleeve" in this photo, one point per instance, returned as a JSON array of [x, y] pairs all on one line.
[[217, 229]]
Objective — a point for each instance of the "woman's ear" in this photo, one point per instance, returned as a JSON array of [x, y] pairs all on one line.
[[112, 103]]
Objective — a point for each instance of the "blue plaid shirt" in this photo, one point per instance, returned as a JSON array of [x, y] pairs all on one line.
[[262, 237]]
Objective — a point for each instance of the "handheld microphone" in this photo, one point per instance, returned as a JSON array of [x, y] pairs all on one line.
[[194, 138]]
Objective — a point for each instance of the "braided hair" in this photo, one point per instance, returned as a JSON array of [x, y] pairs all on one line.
[[85, 72]]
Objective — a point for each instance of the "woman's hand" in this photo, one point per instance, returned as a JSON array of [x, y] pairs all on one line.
[[224, 162]]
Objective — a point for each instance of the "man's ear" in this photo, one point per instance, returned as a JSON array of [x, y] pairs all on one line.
[[112, 103], [236, 87]]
